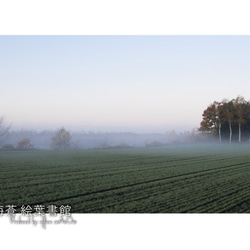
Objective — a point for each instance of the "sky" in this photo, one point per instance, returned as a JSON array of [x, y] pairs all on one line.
[[147, 84]]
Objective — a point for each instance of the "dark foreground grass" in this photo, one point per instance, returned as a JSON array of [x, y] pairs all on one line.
[[173, 179]]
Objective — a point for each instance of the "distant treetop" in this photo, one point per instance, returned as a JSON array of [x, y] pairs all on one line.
[[61, 141]]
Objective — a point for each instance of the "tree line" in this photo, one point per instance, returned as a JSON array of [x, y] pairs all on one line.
[[61, 141], [227, 120]]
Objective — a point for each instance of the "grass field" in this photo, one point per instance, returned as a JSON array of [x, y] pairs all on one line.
[[173, 179]]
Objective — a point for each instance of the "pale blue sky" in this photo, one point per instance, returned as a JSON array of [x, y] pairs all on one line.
[[119, 83]]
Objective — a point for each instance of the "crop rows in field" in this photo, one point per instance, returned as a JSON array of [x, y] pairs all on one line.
[[180, 179]]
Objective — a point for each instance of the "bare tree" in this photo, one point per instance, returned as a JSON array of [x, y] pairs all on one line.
[[3, 128]]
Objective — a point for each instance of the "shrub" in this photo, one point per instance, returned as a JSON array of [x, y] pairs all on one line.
[[25, 145], [8, 147], [154, 144]]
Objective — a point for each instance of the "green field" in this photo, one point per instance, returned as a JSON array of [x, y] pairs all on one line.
[[173, 179]]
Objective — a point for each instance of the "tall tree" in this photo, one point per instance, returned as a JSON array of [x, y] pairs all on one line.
[[240, 107], [211, 119], [228, 116], [218, 108], [247, 118]]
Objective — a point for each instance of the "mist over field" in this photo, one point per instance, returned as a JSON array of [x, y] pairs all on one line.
[[90, 140]]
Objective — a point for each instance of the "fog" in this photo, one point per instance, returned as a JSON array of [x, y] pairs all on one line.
[[91, 139]]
